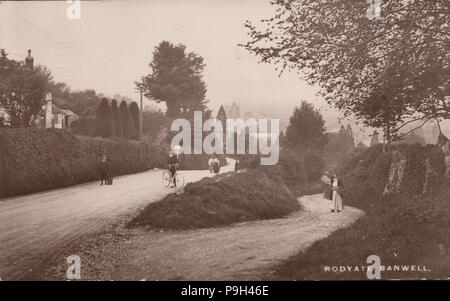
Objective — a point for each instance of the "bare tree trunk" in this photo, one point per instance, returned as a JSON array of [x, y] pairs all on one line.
[[439, 126]]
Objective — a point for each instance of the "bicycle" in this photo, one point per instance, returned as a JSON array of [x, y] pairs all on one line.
[[168, 180]]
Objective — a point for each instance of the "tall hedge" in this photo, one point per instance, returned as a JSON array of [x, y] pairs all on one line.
[[36, 159], [127, 122], [134, 112], [104, 122], [118, 128]]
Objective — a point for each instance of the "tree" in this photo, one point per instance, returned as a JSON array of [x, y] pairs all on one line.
[[128, 129], [153, 122], [306, 128], [134, 112], [82, 126], [22, 90], [176, 79], [350, 137], [387, 71], [104, 121], [118, 128], [221, 115], [82, 103]]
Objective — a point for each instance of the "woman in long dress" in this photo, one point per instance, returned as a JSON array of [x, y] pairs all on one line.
[[337, 187]]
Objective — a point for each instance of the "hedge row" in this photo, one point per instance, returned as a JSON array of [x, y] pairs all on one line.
[[222, 200], [35, 159], [40, 159]]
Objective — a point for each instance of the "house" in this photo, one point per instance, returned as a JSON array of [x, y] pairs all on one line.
[[50, 116], [53, 117]]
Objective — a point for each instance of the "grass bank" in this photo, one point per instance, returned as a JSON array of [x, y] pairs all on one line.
[[260, 192], [403, 230], [218, 201]]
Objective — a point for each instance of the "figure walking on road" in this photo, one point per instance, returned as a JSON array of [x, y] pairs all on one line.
[[337, 187]]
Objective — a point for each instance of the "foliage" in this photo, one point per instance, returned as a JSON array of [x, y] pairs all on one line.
[[306, 128], [403, 230], [176, 79], [83, 103], [128, 128], [384, 71], [134, 113], [339, 145], [118, 127], [35, 159], [22, 90], [218, 201], [153, 122], [82, 126], [104, 122]]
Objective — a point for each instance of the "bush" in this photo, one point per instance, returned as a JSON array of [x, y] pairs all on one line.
[[193, 162], [293, 168], [221, 200], [34, 159], [401, 229]]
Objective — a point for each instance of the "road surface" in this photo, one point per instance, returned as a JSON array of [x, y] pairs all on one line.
[[36, 228], [245, 251]]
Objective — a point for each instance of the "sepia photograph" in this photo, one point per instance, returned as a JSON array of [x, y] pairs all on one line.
[[199, 142]]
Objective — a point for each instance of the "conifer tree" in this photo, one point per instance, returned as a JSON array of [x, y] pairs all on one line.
[[128, 129], [104, 122]]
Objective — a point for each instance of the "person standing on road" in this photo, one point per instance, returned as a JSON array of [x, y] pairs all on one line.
[[236, 166], [216, 164], [337, 187], [211, 164], [104, 169]]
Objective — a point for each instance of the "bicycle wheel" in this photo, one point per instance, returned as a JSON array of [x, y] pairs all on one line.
[[180, 180], [166, 178]]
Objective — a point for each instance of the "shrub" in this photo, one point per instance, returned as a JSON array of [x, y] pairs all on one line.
[[35, 159], [104, 121], [118, 128], [134, 113], [82, 126], [128, 129], [221, 200], [401, 229]]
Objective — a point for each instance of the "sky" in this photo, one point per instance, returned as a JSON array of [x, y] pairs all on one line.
[[111, 46]]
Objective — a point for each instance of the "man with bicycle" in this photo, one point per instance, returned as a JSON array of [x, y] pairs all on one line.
[[173, 166]]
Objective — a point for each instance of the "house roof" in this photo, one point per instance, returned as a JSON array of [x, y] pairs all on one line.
[[56, 110]]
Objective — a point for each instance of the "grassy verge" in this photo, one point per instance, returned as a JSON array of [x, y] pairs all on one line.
[[401, 230], [261, 192], [218, 201]]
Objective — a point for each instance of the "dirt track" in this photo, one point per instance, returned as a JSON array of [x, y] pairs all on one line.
[[245, 251], [37, 228]]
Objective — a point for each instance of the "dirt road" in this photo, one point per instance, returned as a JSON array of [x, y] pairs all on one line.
[[245, 251], [36, 228]]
